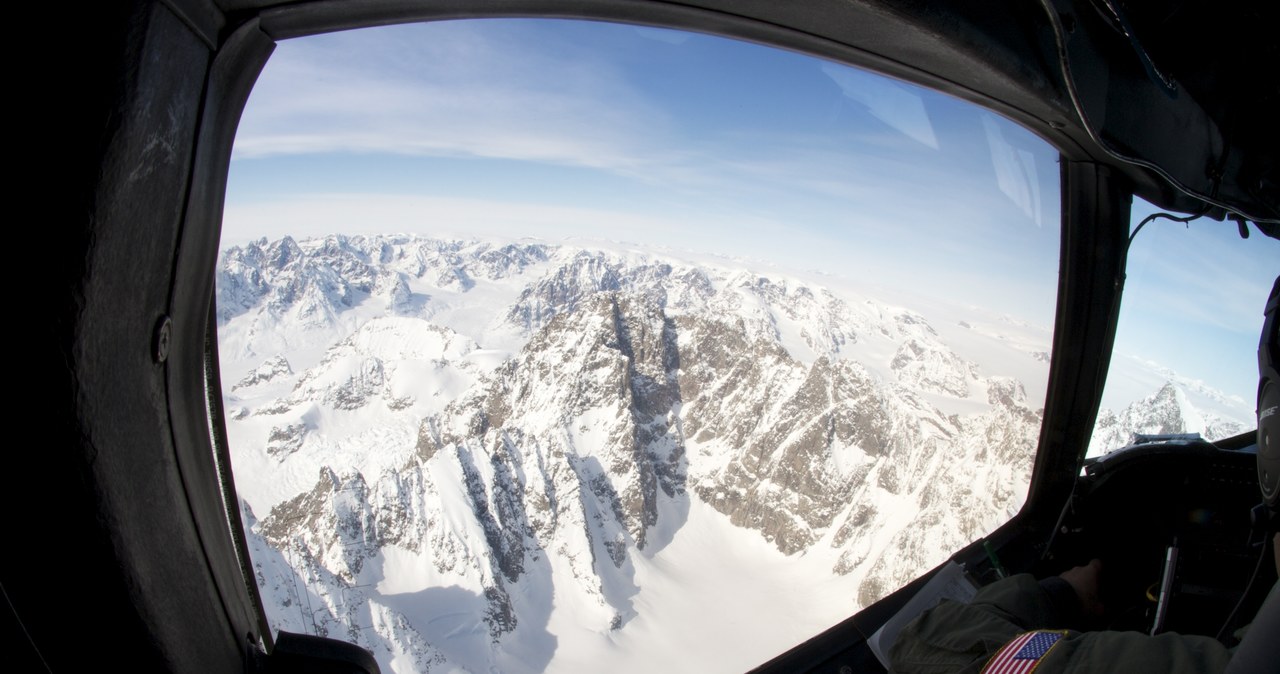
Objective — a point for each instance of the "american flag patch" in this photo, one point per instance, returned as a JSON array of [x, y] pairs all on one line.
[[1021, 655]]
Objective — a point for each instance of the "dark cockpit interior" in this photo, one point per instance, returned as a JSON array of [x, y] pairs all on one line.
[[1171, 102]]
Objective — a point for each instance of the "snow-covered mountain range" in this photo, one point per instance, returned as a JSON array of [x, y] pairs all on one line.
[[527, 457], [1168, 410]]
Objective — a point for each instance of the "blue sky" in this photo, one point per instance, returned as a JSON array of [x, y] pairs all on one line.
[[642, 135], [562, 129], [1193, 299]]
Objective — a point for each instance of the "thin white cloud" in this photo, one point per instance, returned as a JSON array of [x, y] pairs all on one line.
[[364, 213], [1201, 272], [455, 91], [421, 90]]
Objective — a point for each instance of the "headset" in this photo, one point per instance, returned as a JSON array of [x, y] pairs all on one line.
[[1269, 403], [1259, 651]]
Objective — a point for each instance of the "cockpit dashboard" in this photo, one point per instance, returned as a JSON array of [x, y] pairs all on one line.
[[1179, 527]]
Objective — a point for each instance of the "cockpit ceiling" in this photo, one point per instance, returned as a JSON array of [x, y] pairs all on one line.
[[1173, 95]]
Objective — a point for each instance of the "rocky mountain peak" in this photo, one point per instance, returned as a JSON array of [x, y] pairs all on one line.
[[1168, 410]]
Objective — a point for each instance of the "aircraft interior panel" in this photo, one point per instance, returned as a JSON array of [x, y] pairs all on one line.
[[1184, 508], [130, 491]]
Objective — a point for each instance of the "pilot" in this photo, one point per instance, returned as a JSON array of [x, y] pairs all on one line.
[[1017, 625]]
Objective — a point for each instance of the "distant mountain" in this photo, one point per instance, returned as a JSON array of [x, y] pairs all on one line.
[[1168, 410], [282, 296], [465, 454]]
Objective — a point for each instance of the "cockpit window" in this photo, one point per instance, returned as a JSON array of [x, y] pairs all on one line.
[[568, 345], [1186, 355]]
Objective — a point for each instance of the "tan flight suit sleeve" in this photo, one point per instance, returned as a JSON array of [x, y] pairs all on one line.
[[956, 637]]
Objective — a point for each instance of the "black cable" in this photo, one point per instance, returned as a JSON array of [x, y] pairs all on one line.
[[1122, 276], [1122, 22], [1166, 216], [1245, 595], [1062, 517], [1064, 61]]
